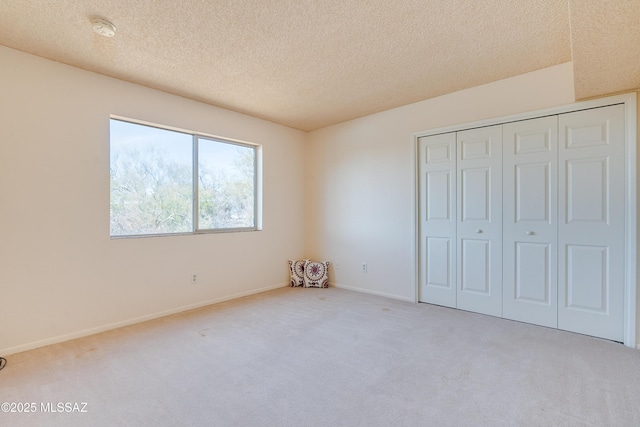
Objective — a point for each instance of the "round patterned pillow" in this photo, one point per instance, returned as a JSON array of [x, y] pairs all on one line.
[[316, 274], [296, 270]]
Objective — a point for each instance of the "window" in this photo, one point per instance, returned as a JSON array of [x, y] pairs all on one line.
[[171, 182]]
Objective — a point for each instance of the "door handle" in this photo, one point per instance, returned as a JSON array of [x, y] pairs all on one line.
[[478, 231], [530, 233]]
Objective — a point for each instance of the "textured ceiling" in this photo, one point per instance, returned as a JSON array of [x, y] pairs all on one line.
[[312, 63], [606, 46]]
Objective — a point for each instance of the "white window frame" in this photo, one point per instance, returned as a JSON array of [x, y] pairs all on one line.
[[196, 136]]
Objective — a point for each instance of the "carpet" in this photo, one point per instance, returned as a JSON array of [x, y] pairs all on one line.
[[325, 357]]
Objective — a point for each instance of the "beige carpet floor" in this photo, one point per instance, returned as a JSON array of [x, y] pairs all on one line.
[[326, 357]]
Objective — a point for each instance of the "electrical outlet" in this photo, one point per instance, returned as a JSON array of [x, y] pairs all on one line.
[[194, 279], [363, 268]]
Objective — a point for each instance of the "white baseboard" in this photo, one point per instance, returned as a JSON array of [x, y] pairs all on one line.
[[367, 291], [97, 330]]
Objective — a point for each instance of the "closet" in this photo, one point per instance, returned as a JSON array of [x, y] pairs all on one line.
[[526, 220]]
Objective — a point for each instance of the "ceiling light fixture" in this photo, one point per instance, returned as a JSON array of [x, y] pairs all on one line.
[[103, 27]]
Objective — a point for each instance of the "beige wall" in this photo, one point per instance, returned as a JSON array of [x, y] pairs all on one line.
[[360, 177], [60, 274]]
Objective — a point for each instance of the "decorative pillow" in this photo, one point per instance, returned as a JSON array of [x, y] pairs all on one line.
[[316, 274], [296, 268]]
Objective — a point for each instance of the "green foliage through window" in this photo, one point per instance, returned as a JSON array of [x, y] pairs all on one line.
[[155, 190]]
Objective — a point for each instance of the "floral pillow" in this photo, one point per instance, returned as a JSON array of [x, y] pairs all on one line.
[[316, 274], [296, 270]]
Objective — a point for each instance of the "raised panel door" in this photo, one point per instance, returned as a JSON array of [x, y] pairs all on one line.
[[479, 225], [592, 214], [437, 247], [530, 165]]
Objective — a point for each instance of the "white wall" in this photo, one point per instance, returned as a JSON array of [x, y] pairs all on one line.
[[61, 275], [360, 178]]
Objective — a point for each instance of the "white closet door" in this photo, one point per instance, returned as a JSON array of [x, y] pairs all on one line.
[[591, 215], [479, 239], [437, 186], [530, 170]]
